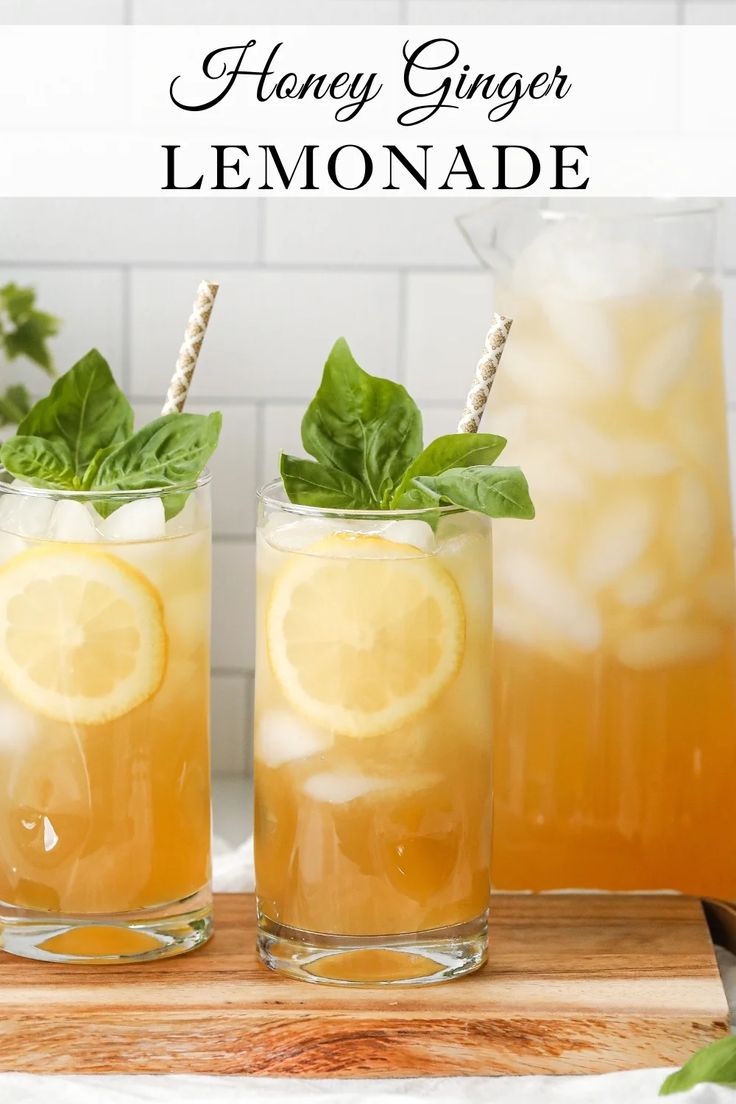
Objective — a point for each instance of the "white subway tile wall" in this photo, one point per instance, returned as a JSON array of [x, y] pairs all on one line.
[[394, 275]]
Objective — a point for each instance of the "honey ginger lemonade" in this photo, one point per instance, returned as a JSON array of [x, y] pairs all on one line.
[[373, 703], [104, 668], [615, 661]]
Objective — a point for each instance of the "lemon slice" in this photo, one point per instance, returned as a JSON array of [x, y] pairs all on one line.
[[363, 633], [82, 635]]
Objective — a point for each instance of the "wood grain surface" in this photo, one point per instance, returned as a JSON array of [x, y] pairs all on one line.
[[576, 984]]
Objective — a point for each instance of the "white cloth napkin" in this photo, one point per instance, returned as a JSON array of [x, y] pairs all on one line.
[[233, 873]]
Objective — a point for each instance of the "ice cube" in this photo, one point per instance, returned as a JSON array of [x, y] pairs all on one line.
[[281, 737], [665, 645], [341, 787], [640, 587], [588, 336], [543, 374], [415, 532], [26, 515], [554, 600], [692, 527], [72, 521], [590, 449], [290, 534], [618, 536], [589, 259], [142, 520], [666, 362]]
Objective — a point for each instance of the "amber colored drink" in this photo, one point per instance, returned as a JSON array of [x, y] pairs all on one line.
[[615, 676], [372, 746], [104, 749]]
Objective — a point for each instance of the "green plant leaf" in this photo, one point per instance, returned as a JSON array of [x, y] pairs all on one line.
[[495, 491], [24, 331], [17, 302], [85, 409], [171, 449], [93, 467], [39, 462], [313, 484], [715, 1063], [454, 450], [14, 404], [366, 427]]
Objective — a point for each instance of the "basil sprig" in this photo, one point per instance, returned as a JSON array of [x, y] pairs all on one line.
[[365, 434], [715, 1063], [80, 438]]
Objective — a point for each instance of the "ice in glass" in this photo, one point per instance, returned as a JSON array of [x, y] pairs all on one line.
[[615, 665], [373, 690], [373, 733], [104, 673]]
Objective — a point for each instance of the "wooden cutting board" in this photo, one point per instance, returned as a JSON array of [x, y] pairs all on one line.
[[576, 984]]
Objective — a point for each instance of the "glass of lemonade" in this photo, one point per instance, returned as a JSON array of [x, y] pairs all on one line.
[[372, 742], [104, 746], [615, 662]]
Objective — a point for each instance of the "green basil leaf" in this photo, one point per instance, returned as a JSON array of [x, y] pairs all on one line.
[[313, 484], [14, 404], [171, 449], [495, 491], [25, 330], [85, 409], [454, 450], [366, 427], [715, 1063], [90, 475], [39, 462]]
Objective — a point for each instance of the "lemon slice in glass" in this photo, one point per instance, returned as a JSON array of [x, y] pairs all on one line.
[[82, 635], [364, 633]]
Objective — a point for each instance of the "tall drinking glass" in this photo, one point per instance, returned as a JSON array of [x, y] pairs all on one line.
[[372, 742], [104, 745], [616, 611]]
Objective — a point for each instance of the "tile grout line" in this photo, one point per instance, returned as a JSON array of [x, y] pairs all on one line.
[[258, 443], [248, 733], [125, 336], [402, 366], [385, 268]]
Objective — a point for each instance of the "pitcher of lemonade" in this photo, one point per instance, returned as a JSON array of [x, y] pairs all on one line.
[[615, 612]]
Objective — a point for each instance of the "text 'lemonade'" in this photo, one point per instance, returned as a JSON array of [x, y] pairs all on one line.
[[373, 698], [104, 662], [615, 615]]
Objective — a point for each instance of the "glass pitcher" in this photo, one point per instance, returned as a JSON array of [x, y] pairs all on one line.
[[615, 637]]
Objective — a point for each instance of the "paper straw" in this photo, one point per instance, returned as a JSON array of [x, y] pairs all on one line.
[[186, 361], [485, 372]]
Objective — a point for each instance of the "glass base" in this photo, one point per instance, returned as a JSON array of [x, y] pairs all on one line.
[[416, 958], [140, 936]]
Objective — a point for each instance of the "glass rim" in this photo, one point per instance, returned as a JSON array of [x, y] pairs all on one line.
[[95, 496], [266, 495]]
